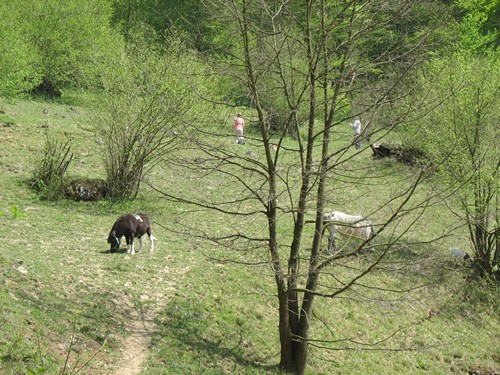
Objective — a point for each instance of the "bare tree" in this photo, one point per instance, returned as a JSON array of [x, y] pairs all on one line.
[[312, 56]]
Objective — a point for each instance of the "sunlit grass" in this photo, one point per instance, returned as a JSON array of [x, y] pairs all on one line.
[[214, 314]]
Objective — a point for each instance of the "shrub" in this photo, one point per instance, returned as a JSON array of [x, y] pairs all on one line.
[[49, 172]]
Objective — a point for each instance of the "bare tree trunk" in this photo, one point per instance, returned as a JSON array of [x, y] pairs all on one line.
[[285, 332]]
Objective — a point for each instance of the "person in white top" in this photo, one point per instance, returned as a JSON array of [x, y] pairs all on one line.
[[357, 132]]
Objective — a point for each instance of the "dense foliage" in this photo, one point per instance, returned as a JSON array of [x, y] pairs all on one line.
[[62, 43]]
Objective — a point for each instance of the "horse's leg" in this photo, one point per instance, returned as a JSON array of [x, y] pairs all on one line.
[[151, 239], [331, 239], [141, 241], [127, 238], [371, 235], [131, 240]]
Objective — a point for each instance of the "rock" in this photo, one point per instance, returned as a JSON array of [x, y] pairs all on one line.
[[86, 189]]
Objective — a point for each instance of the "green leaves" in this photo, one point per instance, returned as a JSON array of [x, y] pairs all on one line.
[[17, 57], [477, 32], [64, 42]]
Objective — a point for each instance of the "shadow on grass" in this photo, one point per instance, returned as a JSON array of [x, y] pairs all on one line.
[[190, 337], [421, 263], [119, 251], [432, 266], [96, 314]]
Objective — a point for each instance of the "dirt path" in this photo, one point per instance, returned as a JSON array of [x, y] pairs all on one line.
[[136, 346], [140, 320]]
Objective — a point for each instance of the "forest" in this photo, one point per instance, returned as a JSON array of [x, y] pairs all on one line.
[[351, 226]]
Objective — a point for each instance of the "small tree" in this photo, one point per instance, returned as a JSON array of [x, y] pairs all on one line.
[[142, 110], [461, 135]]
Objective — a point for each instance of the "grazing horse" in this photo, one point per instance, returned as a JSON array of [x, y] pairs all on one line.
[[351, 226], [131, 226]]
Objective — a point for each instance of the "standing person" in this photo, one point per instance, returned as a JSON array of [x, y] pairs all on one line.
[[239, 126], [357, 132]]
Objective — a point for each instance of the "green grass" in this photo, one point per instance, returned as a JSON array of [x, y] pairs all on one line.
[[62, 291]]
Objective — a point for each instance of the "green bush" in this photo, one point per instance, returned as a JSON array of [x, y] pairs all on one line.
[[49, 172]]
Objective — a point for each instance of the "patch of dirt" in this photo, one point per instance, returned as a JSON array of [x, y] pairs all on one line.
[[140, 320], [478, 370], [135, 348]]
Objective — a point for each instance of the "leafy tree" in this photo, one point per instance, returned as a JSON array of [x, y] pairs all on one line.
[[293, 51], [18, 60], [129, 15], [143, 109], [190, 17], [478, 29], [492, 23], [72, 40], [460, 135]]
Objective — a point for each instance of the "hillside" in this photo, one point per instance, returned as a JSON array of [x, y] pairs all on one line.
[[70, 306]]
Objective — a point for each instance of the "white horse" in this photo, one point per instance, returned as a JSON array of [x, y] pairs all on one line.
[[350, 226]]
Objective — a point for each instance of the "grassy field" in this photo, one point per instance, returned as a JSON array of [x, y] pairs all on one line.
[[69, 306]]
